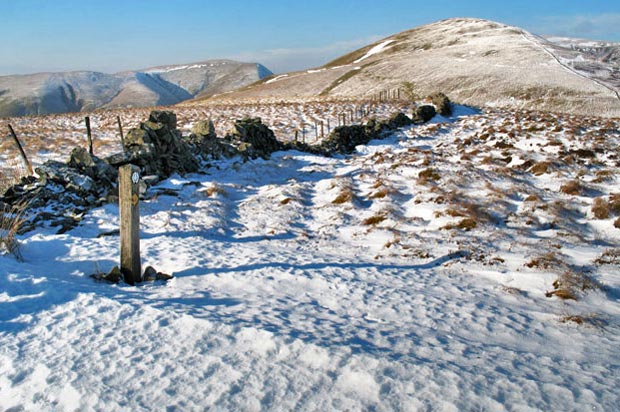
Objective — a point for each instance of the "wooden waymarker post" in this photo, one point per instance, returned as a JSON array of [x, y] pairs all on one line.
[[21, 150], [90, 137], [128, 194]]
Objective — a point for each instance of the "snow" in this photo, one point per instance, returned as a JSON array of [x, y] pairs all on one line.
[[375, 50], [285, 300], [169, 69], [275, 79]]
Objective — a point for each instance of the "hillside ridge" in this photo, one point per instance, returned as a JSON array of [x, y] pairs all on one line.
[[475, 61], [75, 91]]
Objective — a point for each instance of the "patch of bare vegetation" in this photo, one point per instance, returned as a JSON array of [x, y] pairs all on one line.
[[571, 285], [572, 187], [427, 176], [547, 261], [11, 222], [374, 220], [465, 224], [346, 195], [609, 257], [593, 320], [214, 190]]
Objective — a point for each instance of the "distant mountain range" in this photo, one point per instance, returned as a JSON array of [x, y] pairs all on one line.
[[474, 61], [45, 93]]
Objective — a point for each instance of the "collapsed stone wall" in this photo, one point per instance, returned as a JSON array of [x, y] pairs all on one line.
[[61, 193]]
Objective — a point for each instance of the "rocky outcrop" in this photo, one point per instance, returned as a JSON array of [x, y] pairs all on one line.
[[442, 103], [424, 113]]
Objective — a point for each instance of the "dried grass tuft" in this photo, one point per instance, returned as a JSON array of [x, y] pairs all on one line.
[[11, 222], [571, 285], [466, 224], [540, 168], [572, 187], [609, 257], [214, 190], [591, 320], [546, 261], [346, 196], [600, 208], [374, 220]]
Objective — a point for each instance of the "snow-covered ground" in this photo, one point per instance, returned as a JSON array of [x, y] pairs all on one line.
[[349, 283]]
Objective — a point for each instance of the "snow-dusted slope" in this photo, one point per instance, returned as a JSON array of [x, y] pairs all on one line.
[[596, 60], [81, 91], [474, 61], [56, 92], [410, 276]]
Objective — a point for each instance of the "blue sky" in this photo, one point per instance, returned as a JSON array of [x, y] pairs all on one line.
[[116, 35]]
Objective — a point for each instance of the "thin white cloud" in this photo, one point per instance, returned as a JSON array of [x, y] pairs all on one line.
[[595, 27], [286, 60]]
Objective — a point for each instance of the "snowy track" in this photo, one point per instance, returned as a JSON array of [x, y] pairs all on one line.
[[286, 299]]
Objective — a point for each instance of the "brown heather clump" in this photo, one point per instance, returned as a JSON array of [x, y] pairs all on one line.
[[603, 176], [533, 198], [545, 261], [600, 208], [214, 190], [572, 187], [374, 220], [588, 320], [465, 224], [614, 203], [429, 173], [11, 222], [345, 196], [540, 168], [609, 257], [570, 285]]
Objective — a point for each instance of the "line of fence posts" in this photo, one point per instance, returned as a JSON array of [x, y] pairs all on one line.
[[386, 95], [350, 116]]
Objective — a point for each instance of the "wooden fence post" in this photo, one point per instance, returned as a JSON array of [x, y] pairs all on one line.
[[90, 137], [128, 199], [120, 130], [21, 150]]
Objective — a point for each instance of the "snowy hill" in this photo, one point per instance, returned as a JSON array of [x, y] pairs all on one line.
[[465, 265], [86, 91], [474, 61]]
